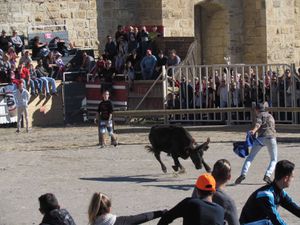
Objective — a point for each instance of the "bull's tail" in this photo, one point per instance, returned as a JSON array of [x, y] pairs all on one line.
[[149, 148]]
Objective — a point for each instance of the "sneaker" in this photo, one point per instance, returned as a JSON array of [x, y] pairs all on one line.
[[114, 143], [54, 93], [101, 145], [267, 179], [240, 179], [18, 131]]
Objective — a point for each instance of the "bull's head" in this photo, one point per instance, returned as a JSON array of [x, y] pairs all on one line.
[[196, 154]]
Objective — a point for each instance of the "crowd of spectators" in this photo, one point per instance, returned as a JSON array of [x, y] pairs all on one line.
[[38, 70], [133, 53], [232, 89]]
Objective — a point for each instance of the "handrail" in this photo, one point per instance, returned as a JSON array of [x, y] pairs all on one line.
[[189, 55], [149, 90], [141, 113]]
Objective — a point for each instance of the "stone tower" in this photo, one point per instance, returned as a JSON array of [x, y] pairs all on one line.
[[249, 31]]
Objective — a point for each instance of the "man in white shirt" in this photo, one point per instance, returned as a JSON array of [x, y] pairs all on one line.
[[22, 97]]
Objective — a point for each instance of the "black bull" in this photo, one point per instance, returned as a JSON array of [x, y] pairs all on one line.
[[177, 142]]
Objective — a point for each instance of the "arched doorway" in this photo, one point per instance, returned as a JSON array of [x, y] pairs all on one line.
[[211, 33]]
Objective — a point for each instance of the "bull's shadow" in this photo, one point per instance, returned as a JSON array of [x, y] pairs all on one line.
[[181, 187], [133, 179]]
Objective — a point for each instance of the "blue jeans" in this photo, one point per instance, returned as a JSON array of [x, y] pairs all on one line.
[[260, 222], [272, 149], [46, 81], [106, 125]]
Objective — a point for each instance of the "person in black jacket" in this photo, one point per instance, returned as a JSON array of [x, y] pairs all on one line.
[[104, 120], [4, 41], [222, 174], [197, 211], [53, 214], [261, 207], [99, 213]]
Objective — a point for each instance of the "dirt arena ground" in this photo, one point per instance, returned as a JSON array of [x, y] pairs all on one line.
[[67, 162]]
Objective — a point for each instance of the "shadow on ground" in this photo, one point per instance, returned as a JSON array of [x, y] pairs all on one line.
[[181, 187], [132, 179]]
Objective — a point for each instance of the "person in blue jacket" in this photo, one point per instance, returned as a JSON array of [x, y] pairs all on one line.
[[261, 207], [147, 65]]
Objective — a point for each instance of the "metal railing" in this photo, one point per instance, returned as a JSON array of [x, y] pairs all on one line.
[[232, 86]]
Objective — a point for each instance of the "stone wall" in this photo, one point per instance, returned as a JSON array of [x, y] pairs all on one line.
[[218, 27], [80, 16], [126, 12], [214, 33], [250, 31], [178, 18], [254, 33], [283, 32]]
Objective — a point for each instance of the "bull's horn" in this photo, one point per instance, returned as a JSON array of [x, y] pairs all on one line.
[[208, 140]]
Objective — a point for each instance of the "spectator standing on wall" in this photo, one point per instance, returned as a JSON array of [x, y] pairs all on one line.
[[37, 47], [129, 73], [100, 65], [110, 48], [119, 63], [153, 34], [12, 56], [108, 74], [43, 74], [22, 98], [120, 35], [35, 82], [4, 41], [223, 94], [87, 63], [5, 69], [173, 59], [104, 120], [17, 42], [25, 58], [161, 61], [147, 65], [135, 62], [132, 40], [144, 39]]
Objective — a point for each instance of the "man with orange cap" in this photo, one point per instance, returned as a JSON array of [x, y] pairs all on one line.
[[197, 211]]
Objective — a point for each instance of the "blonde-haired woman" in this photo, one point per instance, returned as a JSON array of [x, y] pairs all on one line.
[[100, 213]]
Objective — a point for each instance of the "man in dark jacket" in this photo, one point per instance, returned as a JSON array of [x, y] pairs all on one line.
[[261, 207], [197, 211], [222, 174], [53, 215]]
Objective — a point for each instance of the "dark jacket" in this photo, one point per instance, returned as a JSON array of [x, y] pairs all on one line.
[[195, 211], [58, 217], [263, 204]]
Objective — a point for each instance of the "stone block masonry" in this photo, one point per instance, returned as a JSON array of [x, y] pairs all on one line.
[[250, 31], [80, 17]]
